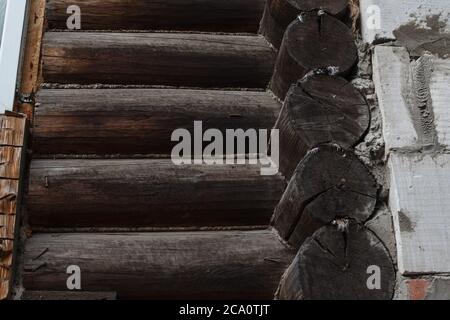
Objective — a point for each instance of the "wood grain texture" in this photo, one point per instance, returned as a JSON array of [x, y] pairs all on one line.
[[12, 138], [140, 121], [32, 54], [328, 184], [321, 109], [12, 131], [278, 14], [316, 43], [170, 59], [197, 265], [149, 193], [181, 15], [333, 265], [10, 162]]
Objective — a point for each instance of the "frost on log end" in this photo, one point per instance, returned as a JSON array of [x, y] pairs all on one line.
[[313, 43], [322, 109], [336, 265], [328, 184], [278, 14]]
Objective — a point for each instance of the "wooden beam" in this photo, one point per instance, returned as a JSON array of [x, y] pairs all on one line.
[[140, 121], [330, 183], [278, 14], [181, 265], [338, 265], [232, 16], [314, 43], [170, 59], [149, 193], [321, 109], [32, 54]]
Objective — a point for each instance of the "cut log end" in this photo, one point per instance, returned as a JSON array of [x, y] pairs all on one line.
[[312, 43], [330, 183], [322, 109], [279, 14], [335, 265]]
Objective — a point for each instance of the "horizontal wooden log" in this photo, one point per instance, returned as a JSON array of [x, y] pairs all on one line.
[[149, 193], [182, 265], [328, 184], [321, 109], [170, 59], [314, 43], [278, 14], [336, 265], [140, 121], [67, 295], [191, 15]]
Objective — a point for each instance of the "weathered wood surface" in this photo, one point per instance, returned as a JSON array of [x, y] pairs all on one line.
[[278, 14], [311, 43], [322, 109], [180, 15], [12, 133], [197, 265], [32, 54], [419, 201], [170, 59], [68, 295], [149, 193], [335, 265], [328, 184], [140, 121]]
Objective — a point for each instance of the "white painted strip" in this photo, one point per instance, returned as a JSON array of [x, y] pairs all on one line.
[[10, 50]]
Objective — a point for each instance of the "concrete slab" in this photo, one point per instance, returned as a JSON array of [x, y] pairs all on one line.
[[420, 205], [391, 73], [440, 94]]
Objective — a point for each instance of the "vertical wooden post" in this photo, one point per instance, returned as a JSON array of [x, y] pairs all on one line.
[[31, 59]]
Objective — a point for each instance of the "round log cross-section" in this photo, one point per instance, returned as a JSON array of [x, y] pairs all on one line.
[[278, 14], [330, 183], [321, 109], [340, 265], [313, 42]]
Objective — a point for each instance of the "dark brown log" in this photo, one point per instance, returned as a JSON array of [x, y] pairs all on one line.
[[328, 184], [188, 15], [321, 109], [181, 265], [278, 14], [336, 265], [314, 43], [68, 295], [140, 121], [149, 193], [170, 59]]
